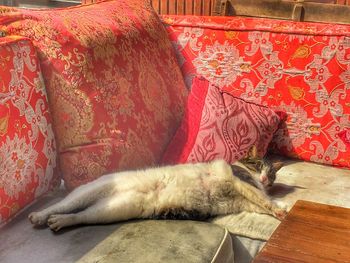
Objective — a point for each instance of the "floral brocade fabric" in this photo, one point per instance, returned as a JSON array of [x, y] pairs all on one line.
[[27, 143], [114, 86], [218, 125], [302, 69]]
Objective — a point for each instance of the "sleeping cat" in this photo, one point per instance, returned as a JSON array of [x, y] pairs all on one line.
[[263, 169], [185, 191]]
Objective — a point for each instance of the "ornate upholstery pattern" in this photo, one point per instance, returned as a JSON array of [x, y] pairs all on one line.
[[27, 143], [302, 69], [218, 125], [115, 89]]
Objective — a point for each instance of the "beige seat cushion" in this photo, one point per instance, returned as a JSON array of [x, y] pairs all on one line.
[[164, 241]]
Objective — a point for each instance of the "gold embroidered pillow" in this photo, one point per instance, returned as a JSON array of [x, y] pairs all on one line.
[[114, 86], [27, 143]]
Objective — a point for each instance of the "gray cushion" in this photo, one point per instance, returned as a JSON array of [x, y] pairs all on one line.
[[164, 241]]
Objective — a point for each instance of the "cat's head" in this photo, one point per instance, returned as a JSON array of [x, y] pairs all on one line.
[[264, 167]]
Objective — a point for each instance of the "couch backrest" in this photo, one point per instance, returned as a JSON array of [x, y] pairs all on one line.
[[302, 69]]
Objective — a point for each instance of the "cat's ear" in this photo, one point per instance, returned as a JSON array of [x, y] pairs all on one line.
[[277, 165], [253, 152]]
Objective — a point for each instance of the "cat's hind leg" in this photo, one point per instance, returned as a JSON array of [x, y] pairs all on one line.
[[78, 199], [107, 210]]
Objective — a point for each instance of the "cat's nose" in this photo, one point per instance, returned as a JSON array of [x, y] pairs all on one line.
[[264, 180]]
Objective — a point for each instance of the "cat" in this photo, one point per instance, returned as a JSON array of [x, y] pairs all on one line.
[[184, 191], [263, 169]]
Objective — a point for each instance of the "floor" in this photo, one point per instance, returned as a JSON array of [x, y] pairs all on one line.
[[20, 242]]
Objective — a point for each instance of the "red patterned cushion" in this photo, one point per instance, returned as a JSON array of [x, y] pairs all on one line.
[[220, 126], [27, 144], [114, 85], [300, 68]]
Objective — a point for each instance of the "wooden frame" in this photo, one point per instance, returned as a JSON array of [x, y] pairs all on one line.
[[328, 11], [283, 9]]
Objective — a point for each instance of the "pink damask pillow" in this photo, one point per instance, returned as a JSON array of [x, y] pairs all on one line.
[[218, 125]]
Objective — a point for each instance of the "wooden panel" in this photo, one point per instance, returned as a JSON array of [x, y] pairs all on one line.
[[180, 8], [197, 7], [172, 7], [88, 1], [156, 6], [163, 7], [207, 7], [290, 10], [184, 7], [188, 6], [263, 8], [311, 232], [208, 4], [338, 2], [343, 2]]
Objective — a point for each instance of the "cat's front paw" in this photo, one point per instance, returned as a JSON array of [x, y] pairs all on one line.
[[37, 218], [280, 213], [282, 205], [279, 209]]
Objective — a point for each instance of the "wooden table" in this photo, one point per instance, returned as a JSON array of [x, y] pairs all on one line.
[[311, 232]]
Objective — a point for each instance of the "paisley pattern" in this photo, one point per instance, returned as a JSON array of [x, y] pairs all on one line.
[[220, 126], [115, 90], [220, 64], [27, 143], [302, 69]]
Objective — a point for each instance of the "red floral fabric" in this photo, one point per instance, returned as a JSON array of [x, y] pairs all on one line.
[[300, 68], [27, 144], [115, 88], [220, 126]]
